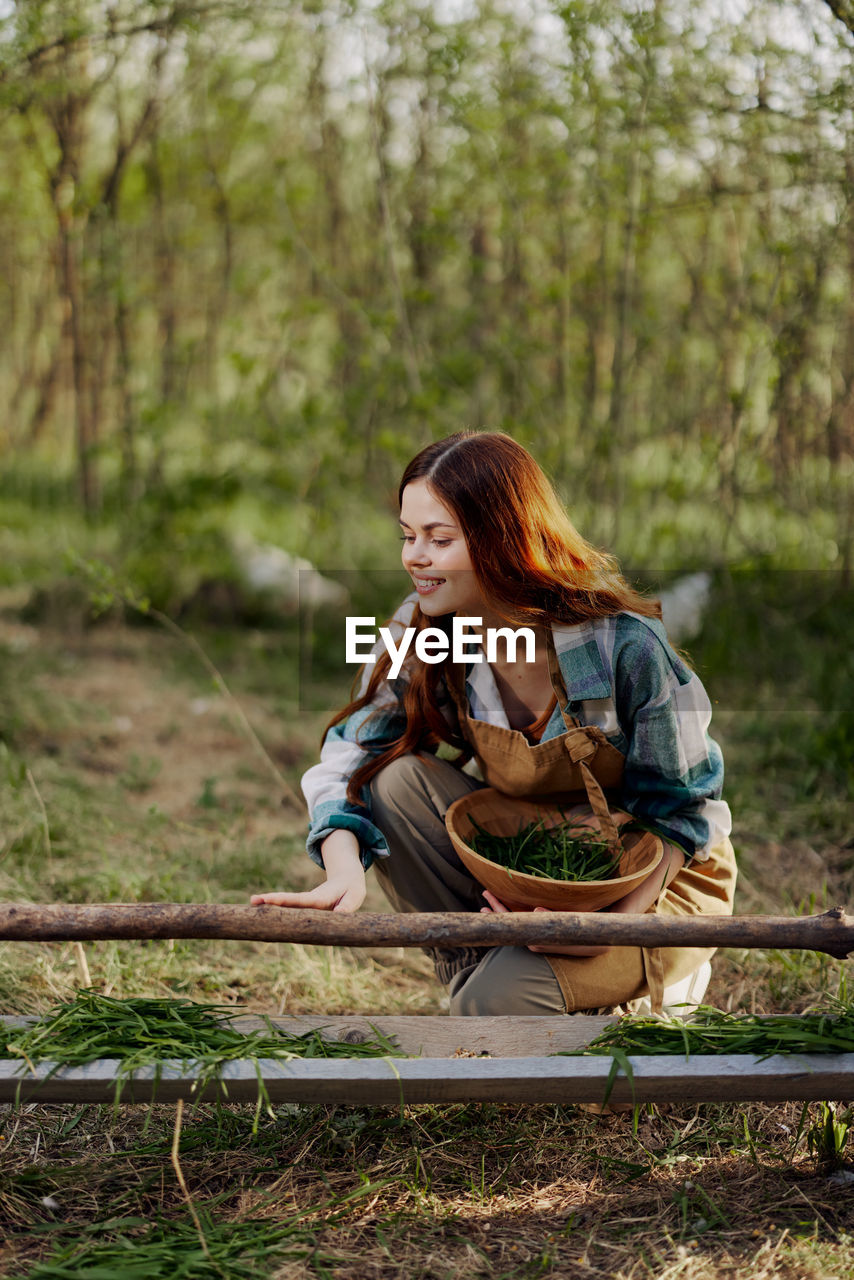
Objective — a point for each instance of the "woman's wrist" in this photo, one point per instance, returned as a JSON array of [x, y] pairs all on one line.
[[648, 891], [341, 854], [342, 890]]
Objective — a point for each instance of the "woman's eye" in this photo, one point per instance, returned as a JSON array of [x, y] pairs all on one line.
[[436, 542]]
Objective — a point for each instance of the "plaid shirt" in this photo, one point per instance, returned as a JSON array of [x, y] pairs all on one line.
[[620, 674]]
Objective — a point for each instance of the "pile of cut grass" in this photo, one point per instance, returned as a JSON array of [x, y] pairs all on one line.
[[142, 1033], [567, 851], [138, 1250], [712, 1031]]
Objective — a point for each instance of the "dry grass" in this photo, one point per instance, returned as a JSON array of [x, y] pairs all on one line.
[[174, 806], [452, 1191]]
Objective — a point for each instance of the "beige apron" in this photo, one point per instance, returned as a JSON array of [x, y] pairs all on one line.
[[556, 769]]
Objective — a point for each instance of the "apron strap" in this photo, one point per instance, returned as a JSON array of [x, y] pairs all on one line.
[[653, 963], [581, 746], [599, 805]]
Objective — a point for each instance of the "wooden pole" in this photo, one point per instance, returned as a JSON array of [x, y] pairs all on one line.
[[832, 932]]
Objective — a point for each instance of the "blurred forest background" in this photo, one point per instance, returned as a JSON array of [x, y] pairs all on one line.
[[254, 255]]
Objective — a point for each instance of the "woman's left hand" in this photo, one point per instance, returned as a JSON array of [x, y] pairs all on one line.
[[496, 907]]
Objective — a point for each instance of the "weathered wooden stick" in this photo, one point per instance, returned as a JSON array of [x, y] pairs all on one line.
[[832, 932]]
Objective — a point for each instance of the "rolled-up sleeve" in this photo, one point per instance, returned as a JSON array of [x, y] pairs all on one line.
[[674, 771], [348, 745], [324, 785]]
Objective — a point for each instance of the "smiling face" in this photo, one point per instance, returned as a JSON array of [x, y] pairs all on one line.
[[435, 555]]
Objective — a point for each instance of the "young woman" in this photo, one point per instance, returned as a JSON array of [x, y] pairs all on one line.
[[485, 537]]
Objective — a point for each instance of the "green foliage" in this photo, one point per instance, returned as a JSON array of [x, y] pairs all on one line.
[[577, 225], [105, 587], [828, 1134], [197, 1249], [178, 541], [782, 636]]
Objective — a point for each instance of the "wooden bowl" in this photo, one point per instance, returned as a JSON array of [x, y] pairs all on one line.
[[503, 815]]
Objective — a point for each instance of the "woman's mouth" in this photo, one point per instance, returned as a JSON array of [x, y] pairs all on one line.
[[425, 586]]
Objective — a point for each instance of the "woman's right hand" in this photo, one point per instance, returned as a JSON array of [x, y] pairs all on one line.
[[343, 889], [578, 951]]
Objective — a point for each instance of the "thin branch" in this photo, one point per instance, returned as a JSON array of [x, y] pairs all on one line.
[[180, 13], [45, 824], [179, 1174], [125, 148]]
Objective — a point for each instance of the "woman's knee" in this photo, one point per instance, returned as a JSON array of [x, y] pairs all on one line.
[[413, 780], [508, 981], [395, 780]]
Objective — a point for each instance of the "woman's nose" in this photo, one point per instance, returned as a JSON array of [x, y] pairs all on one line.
[[416, 553]]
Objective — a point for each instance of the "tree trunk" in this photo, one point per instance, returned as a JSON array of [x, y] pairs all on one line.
[[85, 428]]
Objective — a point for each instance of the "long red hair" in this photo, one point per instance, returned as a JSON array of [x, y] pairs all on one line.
[[530, 561]]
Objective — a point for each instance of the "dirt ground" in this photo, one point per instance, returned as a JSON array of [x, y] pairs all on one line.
[[133, 709]]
